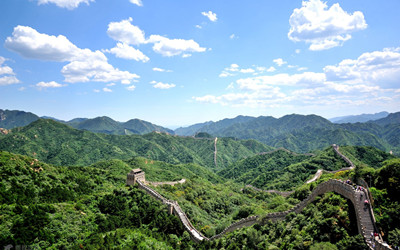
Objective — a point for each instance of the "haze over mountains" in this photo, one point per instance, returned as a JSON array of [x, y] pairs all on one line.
[[359, 118]]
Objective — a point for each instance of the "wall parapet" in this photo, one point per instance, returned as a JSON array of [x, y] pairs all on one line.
[[365, 216]]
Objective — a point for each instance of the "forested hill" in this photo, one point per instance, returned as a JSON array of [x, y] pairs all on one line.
[[107, 125], [59, 144], [284, 170], [302, 133], [15, 118]]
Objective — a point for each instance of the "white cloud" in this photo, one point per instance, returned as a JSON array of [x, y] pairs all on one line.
[[9, 75], [29, 43], [129, 34], [125, 32], [68, 4], [297, 51], [110, 84], [210, 15], [249, 70], [8, 80], [378, 67], [186, 55], [96, 91], [107, 90], [279, 62], [51, 84], [97, 71], [321, 27], [233, 36], [371, 80], [261, 82], [131, 88], [198, 26], [234, 69], [161, 70], [173, 47], [137, 2], [225, 74], [84, 65], [123, 50], [161, 85]]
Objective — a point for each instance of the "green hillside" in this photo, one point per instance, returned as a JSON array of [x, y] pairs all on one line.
[[15, 118], [305, 133], [106, 125], [282, 170], [45, 206], [59, 144], [80, 207]]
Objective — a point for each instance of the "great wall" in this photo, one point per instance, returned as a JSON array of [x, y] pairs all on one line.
[[366, 223]]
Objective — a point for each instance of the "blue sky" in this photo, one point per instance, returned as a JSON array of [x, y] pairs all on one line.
[[180, 62]]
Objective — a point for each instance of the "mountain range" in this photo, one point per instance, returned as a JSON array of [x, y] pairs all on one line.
[[15, 118], [299, 133], [359, 118], [304, 133], [57, 143]]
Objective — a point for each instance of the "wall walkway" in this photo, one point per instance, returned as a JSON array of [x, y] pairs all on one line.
[[364, 214]]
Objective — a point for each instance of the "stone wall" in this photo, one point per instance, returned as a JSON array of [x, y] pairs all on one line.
[[245, 222]]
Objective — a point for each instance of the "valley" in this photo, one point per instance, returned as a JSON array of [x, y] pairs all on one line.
[[56, 176]]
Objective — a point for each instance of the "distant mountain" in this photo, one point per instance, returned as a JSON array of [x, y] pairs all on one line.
[[106, 125], [191, 130], [102, 124], [393, 118], [143, 127], [359, 118], [305, 133], [15, 118], [52, 118], [212, 127], [59, 144]]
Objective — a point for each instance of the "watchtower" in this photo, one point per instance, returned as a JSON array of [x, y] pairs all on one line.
[[135, 175]]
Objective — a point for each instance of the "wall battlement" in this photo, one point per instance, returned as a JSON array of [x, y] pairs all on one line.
[[364, 215]]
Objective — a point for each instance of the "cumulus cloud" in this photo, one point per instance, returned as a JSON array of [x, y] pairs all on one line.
[[123, 50], [161, 85], [7, 75], [378, 67], [125, 32], [137, 2], [107, 90], [83, 64], [371, 79], [261, 82], [68, 4], [173, 47], [29, 43], [279, 62], [210, 15], [51, 84], [322, 27]]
